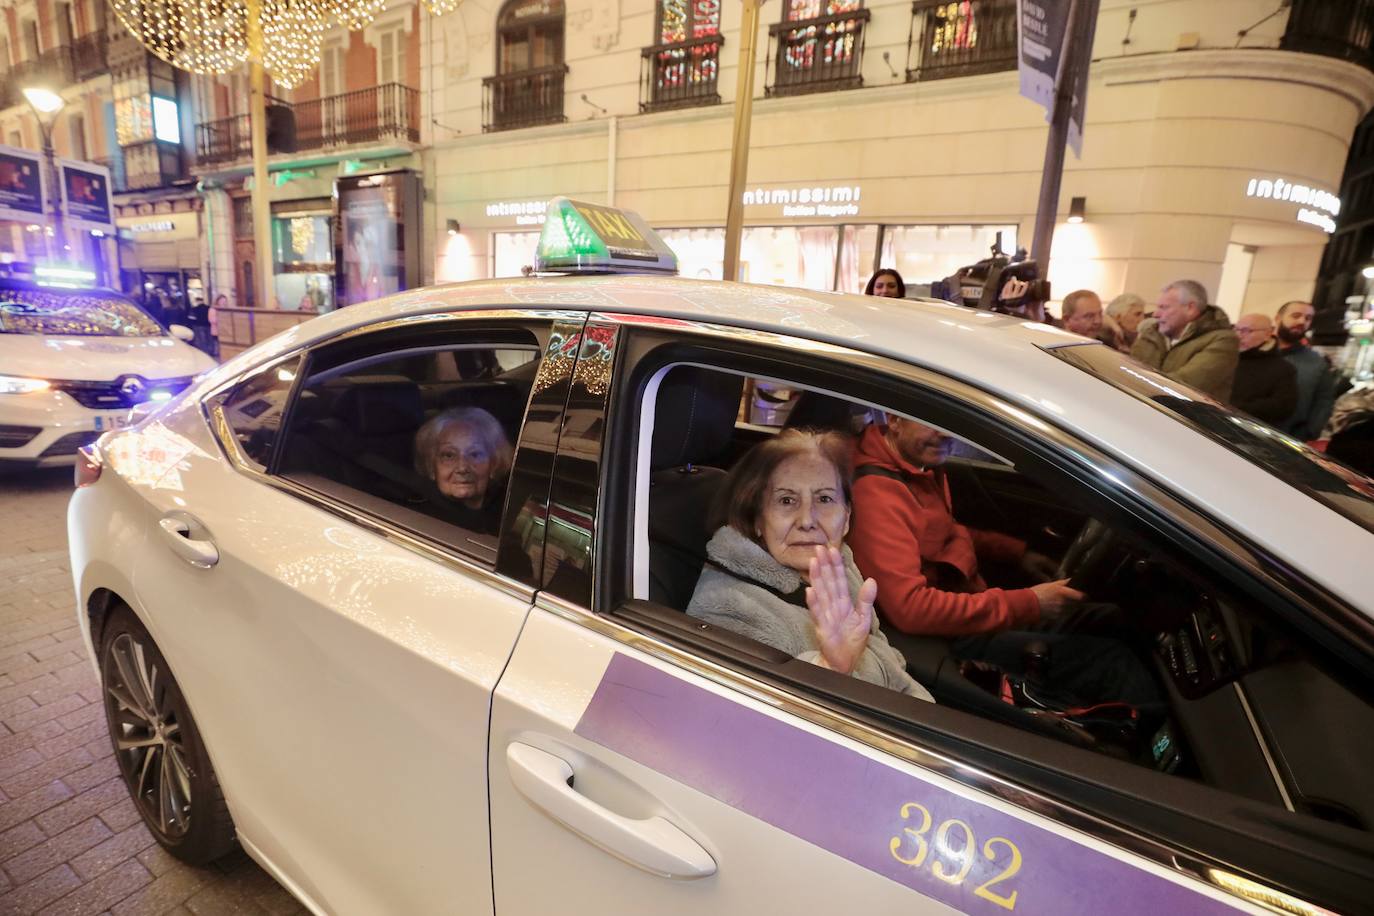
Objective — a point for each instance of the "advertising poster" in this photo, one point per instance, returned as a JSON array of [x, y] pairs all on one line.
[[375, 242], [21, 185], [86, 195]]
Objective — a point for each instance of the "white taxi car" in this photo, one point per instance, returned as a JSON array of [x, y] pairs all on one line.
[[402, 697], [73, 362]]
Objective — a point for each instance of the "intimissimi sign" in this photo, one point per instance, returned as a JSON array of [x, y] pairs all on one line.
[[823, 200], [1315, 206]]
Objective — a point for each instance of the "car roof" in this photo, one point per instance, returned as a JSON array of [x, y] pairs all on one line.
[[998, 353]]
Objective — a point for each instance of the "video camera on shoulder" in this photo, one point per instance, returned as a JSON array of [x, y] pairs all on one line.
[[1011, 285]]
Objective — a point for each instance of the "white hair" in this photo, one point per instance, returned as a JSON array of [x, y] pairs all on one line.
[[1191, 291]]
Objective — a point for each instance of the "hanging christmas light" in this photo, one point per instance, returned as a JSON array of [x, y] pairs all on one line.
[[211, 36]]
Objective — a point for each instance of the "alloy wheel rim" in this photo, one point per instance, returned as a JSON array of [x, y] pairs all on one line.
[[148, 738]]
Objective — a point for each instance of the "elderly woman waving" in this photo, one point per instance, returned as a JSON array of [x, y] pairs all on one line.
[[778, 570]]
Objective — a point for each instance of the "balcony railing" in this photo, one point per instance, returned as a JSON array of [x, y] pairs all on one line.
[[816, 55], [386, 112], [682, 74], [84, 58], [1332, 28], [53, 67], [523, 99], [948, 39], [89, 56]]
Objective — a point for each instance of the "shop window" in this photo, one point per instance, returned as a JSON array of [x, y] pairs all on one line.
[[528, 86], [303, 256], [924, 254]]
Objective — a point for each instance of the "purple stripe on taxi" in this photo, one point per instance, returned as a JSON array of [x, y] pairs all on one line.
[[857, 808]]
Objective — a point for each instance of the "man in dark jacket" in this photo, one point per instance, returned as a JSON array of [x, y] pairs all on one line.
[[1316, 380], [1266, 386], [1189, 340]]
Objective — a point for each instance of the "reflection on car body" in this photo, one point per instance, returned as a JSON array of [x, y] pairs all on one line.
[[390, 711]]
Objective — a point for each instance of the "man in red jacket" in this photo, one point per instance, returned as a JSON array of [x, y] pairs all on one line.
[[904, 534]]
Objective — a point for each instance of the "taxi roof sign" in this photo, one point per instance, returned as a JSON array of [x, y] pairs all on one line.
[[588, 238]]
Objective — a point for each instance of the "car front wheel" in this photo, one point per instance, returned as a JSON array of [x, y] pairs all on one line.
[[161, 757]]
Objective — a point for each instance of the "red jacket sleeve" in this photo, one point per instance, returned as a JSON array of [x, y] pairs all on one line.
[[886, 546], [998, 547]]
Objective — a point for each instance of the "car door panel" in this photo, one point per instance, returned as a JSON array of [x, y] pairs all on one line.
[[341, 682], [795, 817]]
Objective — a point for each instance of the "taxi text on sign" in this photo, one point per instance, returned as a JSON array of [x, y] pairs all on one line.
[[615, 230]]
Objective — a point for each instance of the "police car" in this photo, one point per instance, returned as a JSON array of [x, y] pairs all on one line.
[[396, 709], [74, 361]]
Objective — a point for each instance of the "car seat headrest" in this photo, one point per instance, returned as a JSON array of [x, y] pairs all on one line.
[[382, 409], [694, 416]]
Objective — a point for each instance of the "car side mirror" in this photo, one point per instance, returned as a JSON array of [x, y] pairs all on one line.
[[181, 332]]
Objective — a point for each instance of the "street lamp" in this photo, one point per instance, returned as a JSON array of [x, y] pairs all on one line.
[[46, 106]]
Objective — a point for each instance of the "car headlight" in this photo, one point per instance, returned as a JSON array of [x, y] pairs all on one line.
[[15, 384]]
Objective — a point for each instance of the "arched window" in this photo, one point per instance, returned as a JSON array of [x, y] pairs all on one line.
[[529, 35]]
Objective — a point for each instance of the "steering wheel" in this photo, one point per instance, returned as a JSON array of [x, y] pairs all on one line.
[[1093, 558]]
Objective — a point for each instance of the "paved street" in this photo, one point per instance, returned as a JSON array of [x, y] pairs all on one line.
[[71, 842]]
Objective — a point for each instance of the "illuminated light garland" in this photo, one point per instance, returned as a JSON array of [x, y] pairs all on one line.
[[211, 36]]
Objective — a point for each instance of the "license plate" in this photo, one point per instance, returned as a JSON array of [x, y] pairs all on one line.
[[107, 421]]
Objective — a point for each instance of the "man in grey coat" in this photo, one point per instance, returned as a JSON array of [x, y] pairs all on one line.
[[1189, 340]]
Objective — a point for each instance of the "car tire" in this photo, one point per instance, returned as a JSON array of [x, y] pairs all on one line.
[[158, 748]]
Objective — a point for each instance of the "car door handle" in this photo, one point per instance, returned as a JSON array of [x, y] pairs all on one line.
[[176, 531], [653, 844]]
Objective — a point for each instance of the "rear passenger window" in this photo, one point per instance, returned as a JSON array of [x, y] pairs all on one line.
[[423, 436], [251, 411]]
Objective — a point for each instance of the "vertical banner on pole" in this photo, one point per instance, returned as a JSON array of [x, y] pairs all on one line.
[[1041, 41], [1087, 22]]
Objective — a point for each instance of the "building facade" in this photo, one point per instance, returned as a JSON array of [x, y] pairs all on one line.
[[892, 133]]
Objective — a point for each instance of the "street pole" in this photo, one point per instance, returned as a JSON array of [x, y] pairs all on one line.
[[262, 205], [58, 241], [739, 159], [1047, 210]]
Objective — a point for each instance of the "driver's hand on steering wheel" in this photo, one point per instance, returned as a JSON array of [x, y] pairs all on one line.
[[1038, 566], [1055, 597]]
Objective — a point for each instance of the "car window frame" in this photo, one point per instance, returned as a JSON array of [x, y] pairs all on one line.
[[500, 577], [1129, 805]]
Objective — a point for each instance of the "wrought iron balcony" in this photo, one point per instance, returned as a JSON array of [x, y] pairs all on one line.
[[816, 55], [948, 39], [89, 56], [380, 113], [52, 68], [680, 74], [1332, 28], [524, 98]]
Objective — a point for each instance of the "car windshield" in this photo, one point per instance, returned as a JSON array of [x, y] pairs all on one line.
[[79, 314], [1324, 479]]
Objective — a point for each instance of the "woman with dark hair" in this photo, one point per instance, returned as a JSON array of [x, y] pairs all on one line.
[[886, 283], [465, 454], [778, 570]]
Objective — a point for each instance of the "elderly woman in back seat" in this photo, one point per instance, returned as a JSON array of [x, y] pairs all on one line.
[[465, 455], [778, 570]]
